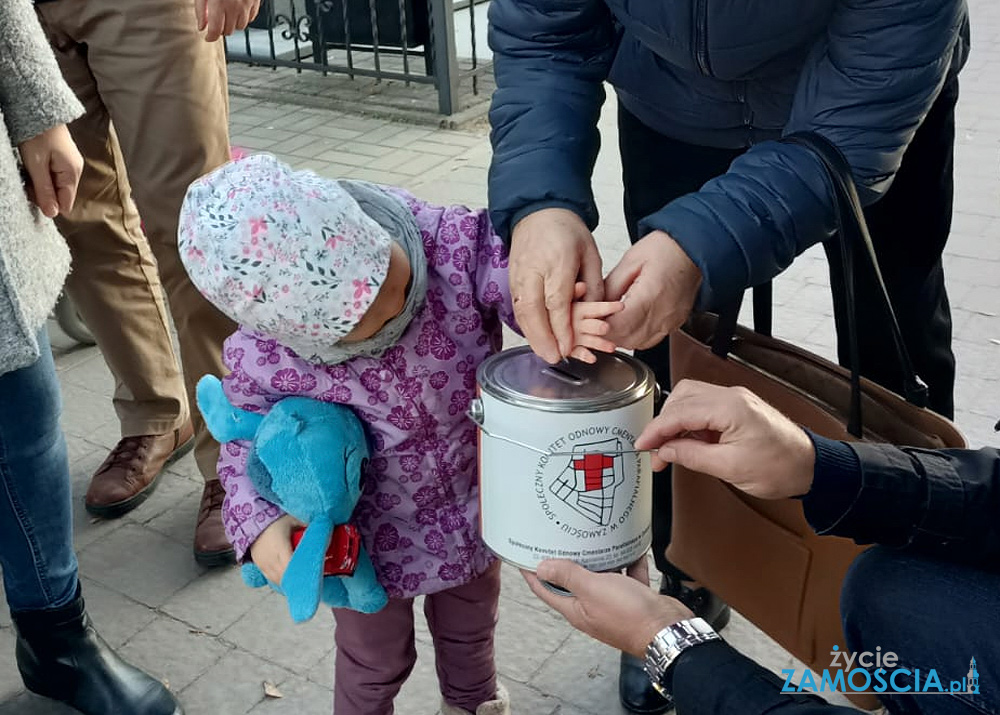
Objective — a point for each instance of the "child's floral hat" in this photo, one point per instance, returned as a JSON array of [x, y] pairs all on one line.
[[283, 252]]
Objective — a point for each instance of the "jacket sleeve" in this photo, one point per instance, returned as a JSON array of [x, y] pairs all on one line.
[[245, 514], [33, 95], [492, 279], [942, 503], [715, 679], [866, 87], [551, 58]]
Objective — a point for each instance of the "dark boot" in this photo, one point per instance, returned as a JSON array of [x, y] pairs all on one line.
[[701, 601], [62, 657], [634, 689]]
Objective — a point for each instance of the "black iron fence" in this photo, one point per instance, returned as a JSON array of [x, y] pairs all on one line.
[[414, 41]]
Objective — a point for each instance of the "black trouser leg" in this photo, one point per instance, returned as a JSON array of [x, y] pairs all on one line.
[[655, 171], [909, 226]]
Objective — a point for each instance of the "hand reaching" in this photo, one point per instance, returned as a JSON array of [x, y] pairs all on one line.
[[611, 607], [590, 326], [658, 284], [731, 434], [550, 251]]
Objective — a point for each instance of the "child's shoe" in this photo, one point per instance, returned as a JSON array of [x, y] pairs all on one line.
[[498, 706]]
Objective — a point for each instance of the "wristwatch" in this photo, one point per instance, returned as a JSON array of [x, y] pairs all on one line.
[[669, 643]]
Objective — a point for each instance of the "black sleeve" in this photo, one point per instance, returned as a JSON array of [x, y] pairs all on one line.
[[715, 679], [943, 503]]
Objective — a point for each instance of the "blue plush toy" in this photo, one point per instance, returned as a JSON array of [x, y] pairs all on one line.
[[306, 457]]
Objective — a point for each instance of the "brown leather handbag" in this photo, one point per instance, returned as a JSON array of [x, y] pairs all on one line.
[[761, 556]]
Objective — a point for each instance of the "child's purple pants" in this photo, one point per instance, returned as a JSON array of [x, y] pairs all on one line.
[[376, 652]]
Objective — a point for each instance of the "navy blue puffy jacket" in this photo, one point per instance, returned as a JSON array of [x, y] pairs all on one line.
[[723, 73]]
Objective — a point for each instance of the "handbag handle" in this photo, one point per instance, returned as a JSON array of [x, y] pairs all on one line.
[[851, 228]]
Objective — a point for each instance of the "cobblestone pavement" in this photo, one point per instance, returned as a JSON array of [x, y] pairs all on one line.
[[216, 642]]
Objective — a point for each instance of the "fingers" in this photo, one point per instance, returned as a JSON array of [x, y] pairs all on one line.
[[594, 342], [597, 309], [621, 278], [699, 456], [67, 167], [590, 326], [591, 270], [564, 574], [559, 305], [564, 605], [583, 355], [532, 316], [215, 21], [66, 191], [200, 15], [42, 188], [691, 407], [232, 20]]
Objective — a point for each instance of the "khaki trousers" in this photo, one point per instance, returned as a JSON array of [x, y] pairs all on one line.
[[156, 102]]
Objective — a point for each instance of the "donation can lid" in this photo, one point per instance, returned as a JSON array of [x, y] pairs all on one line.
[[518, 376]]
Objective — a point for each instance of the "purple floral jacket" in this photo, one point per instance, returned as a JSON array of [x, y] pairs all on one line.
[[419, 513]]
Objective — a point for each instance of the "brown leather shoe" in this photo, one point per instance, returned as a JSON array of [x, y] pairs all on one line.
[[211, 548], [130, 473]]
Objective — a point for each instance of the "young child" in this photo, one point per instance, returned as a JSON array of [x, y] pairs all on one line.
[[363, 295]]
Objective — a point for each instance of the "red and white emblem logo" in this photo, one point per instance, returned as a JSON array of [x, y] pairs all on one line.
[[588, 483]]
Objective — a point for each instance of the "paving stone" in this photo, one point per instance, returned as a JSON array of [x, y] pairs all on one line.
[[116, 617], [267, 631], [68, 352], [299, 697], [303, 143], [28, 704], [343, 155], [526, 638], [186, 467], [10, 680], [419, 164], [140, 563], [214, 601], [270, 131], [176, 498], [525, 699], [323, 672], [310, 150], [86, 528], [421, 694], [173, 652], [84, 411], [583, 674], [175, 513], [232, 686], [396, 158], [335, 130], [91, 373]]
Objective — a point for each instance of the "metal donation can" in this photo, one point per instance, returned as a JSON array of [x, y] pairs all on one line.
[[559, 473]]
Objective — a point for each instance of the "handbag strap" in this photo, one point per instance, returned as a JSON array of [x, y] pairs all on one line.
[[851, 229]]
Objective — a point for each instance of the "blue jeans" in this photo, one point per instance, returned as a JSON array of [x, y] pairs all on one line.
[[36, 525], [935, 616]]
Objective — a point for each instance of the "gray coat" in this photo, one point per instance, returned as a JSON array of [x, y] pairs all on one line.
[[34, 258]]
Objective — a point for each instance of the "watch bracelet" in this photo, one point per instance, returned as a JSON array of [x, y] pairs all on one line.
[[670, 642]]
